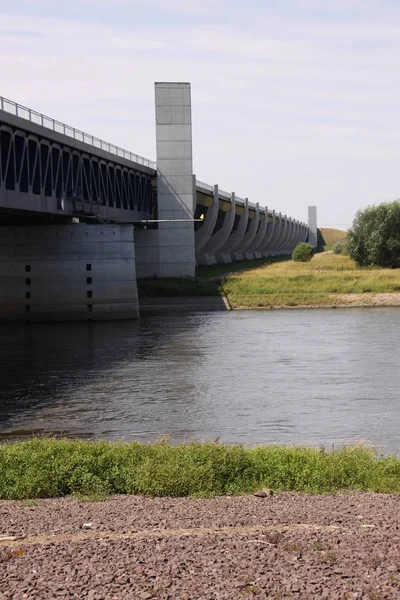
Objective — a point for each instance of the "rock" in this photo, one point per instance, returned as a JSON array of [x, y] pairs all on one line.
[[263, 493], [87, 526]]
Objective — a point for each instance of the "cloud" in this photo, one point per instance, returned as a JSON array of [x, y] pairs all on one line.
[[181, 7], [289, 112]]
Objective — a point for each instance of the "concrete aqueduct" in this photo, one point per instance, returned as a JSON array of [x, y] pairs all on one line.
[[81, 219]]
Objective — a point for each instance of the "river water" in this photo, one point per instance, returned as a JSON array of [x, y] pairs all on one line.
[[295, 376]]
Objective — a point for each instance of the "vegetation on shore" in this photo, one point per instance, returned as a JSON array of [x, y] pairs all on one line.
[[374, 238], [327, 280], [206, 283], [48, 467]]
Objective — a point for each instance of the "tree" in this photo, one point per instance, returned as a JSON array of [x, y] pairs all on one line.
[[303, 252], [374, 238]]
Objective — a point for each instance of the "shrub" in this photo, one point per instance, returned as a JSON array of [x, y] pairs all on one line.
[[340, 247], [303, 252], [374, 238]]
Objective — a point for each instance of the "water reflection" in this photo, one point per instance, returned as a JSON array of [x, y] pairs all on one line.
[[322, 376]]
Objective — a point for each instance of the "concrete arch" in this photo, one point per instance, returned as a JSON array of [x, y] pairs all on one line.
[[203, 235], [301, 233], [249, 236], [271, 231], [281, 249], [273, 249], [218, 239], [259, 237], [293, 240], [272, 236], [298, 234], [234, 240]]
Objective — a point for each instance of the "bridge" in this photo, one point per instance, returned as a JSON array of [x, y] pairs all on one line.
[[81, 219]]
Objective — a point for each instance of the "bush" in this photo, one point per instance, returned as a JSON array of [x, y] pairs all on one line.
[[340, 247], [374, 238], [303, 252]]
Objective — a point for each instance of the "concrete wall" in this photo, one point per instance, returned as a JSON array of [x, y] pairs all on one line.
[[67, 272], [175, 189], [313, 227]]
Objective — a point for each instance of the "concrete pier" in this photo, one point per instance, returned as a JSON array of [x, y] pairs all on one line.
[[67, 273]]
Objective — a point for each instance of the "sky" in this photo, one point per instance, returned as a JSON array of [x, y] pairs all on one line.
[[294, 102]]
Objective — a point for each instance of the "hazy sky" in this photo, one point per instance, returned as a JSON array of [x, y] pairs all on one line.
[[295, 102]]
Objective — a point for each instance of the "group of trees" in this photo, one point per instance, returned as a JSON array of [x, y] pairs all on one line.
[[374, 238]]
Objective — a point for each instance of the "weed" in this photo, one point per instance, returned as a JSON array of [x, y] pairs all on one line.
[[331, 558], [47, 467], [30, 502], [319, 546], [293, 547]]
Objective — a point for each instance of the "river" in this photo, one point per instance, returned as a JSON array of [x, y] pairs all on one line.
[[315, 377]]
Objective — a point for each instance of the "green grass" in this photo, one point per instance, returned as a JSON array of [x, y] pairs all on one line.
[[47, 467], [216, 271], [331, 236], [325, 280], [206, 283]]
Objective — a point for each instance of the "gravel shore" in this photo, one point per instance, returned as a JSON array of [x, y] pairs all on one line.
[[287, 546]]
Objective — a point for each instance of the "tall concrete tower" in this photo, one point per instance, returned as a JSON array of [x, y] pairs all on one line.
[[312, 224], [176, 192]]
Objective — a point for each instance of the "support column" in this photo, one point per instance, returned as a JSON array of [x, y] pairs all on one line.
[[67, 273], [259, 237], [312, 224], [203, 234], [218, 239], [280, 228], [175, 194], [248, 238], [262, 250], [225, 254]]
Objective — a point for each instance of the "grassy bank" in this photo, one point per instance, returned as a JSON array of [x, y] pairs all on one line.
[[43, 468], [331, 236], [206, 282], [327, 280]]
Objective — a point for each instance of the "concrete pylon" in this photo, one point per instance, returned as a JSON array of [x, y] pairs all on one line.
[[175, 192], [312, 225]]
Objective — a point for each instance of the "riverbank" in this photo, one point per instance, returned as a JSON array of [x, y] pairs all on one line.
[[285, 546], [45, 468], [327, 281]]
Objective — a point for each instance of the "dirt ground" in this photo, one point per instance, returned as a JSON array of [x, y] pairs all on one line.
[[288, 546]]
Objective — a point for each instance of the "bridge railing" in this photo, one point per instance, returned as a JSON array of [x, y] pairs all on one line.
[[204, 186], [225, 194], [31, 115]]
